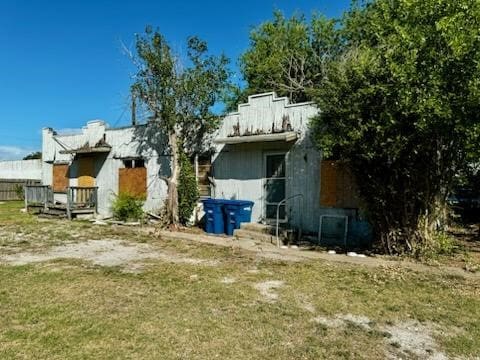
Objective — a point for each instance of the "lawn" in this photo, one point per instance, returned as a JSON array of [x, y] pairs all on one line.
[[197, 301]]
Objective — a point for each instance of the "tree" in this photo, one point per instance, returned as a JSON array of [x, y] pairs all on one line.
[[401, 106], [33, 156], [179, 97], [287, 56]]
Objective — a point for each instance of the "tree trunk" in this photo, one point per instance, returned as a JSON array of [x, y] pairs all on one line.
[[172, 202]]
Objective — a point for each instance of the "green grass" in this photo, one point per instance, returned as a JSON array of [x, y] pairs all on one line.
[[73, 309]]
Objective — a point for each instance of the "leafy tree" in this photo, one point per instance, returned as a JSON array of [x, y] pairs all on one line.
[[33, 156], [402, 107], [179, 97], [188, 193], [287, 56]]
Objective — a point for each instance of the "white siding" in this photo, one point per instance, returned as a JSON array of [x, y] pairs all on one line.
[[239, 170], [125, 143]]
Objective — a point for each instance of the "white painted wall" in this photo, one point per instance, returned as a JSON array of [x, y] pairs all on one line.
[[126, 142], [239, 170], [21, 169]]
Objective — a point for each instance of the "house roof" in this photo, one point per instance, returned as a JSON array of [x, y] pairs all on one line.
[[283, 136], [88, 150]]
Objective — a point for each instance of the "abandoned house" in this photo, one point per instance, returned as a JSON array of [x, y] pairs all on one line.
[[98, 163], [264, 154]]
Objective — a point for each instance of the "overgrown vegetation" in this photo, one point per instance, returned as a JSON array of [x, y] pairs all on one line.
[[188, 193], [401, 106], [20, 192], [179, 97], [127, 207], [398, 85], [287, 56]]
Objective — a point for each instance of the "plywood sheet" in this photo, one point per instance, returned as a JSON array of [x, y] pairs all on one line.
[[86, 175], [133, 181], [60, 178], [338, 188], [328, 183]]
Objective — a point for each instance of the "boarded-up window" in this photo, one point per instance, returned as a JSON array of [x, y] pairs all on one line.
[[60, 177], [337, 186], [133, 181]]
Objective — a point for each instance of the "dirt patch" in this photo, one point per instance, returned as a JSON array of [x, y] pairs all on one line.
[[267, 288], [413, 338], [405, 338], [104, 253], [228, 280]]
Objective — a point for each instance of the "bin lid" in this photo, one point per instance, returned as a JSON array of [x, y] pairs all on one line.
[[213, 201], [238, 202]]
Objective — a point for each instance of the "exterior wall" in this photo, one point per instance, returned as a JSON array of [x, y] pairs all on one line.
[[21, 169], [239, 170], [129, 142]]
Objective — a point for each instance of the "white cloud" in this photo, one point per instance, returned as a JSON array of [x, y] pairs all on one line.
[[13, 152]]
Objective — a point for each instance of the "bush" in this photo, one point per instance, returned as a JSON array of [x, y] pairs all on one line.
[[19, 190], [187, 189], [127, 207]]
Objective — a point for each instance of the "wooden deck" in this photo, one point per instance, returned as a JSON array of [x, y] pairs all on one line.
[[80, 201]]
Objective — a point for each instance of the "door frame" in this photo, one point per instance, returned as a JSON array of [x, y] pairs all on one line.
[[264, 185]]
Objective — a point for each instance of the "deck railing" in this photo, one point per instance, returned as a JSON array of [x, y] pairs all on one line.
[[81, 198], [38, 195]]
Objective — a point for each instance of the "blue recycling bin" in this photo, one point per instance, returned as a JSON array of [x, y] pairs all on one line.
[[214, 216], [236, 212]]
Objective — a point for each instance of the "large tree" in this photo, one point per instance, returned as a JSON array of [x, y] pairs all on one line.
[[179, 97], [402, 107], [287, 55]]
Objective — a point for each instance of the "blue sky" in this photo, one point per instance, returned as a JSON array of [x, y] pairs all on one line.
[[62, 62]]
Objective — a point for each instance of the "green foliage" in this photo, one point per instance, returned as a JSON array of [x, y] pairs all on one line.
[[288, 56], [180, 93], [127, 207], [34, 155], [179, 97], [20, 191], [188, 193], [401, 104]]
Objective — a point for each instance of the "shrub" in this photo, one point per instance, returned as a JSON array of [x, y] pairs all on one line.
[[19, 190], [187, 189], [127, 207]]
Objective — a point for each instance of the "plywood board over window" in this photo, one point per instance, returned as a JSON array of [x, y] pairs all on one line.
[[337, 186], [133, 181], [86, 173], [60, 177]]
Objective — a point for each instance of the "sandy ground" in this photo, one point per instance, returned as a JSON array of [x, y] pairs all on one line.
[[269, 251], [108, 252], [405, 338]]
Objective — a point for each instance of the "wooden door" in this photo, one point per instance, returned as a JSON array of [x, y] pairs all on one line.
[[86, 174]]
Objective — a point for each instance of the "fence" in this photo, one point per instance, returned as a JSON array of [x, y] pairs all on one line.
[[12, 189]]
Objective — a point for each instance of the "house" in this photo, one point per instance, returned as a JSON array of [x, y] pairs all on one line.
[[108, 160], [264, 153]]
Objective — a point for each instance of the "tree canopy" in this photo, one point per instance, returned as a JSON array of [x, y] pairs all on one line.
[[287, 56], [179, 95], [401, 105]]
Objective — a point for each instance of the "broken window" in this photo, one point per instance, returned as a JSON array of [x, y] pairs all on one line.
[[134, 163]]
